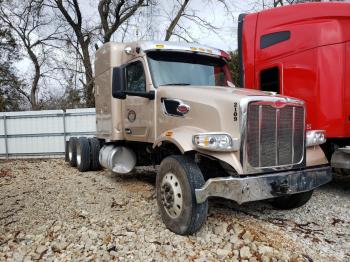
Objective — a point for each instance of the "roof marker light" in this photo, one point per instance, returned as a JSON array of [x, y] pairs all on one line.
[[128, 50]]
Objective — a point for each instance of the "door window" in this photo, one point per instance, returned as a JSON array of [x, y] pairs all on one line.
[[135, 77], [270, 80]]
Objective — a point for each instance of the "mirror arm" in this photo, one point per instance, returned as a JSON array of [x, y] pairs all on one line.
[[150, 95]]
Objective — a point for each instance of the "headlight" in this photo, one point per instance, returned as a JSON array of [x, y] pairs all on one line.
[[315, 137], [215, 142]]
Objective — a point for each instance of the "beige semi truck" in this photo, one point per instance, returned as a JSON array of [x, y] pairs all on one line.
[[173, 105]]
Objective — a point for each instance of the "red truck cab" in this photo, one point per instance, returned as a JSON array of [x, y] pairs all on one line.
[[303, 51]]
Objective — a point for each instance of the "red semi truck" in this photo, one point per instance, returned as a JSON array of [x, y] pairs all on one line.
[[303, 51]]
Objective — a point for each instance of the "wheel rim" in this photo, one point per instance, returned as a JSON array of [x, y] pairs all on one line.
[[78, 155], [171, 195]]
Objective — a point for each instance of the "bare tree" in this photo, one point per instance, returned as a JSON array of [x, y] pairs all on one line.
[[175, 21], [277, 3], [181, 12], [114, 13], [10, 98], [83, 37], [26, 20]]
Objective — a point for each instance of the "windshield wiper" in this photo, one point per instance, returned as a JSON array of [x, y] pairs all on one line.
[[175, 84]]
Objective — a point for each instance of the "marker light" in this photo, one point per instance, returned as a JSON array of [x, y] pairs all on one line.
[[215, 142], [128, 50], [315, 137]]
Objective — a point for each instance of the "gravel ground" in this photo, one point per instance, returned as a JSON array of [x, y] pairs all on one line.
[[49, 211]]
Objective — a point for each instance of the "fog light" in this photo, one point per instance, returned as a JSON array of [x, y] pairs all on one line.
[[215, 142], [315, 137]]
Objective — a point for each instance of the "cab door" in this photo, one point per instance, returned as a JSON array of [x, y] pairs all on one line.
[[137, 110]]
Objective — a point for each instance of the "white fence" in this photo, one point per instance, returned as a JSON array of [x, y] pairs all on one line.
[[43, 133]]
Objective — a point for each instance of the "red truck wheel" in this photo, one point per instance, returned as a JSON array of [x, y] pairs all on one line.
[[342, 171], [292, 201], [177, 179]]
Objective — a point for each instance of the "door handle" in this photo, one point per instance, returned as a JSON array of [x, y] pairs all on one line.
[[128, 130]]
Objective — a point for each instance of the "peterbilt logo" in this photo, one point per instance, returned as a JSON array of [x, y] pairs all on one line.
[[279, 104], [275, 104], [183, 108]]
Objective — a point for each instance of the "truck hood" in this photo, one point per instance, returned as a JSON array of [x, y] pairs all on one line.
[[212, 92], [212, 108]]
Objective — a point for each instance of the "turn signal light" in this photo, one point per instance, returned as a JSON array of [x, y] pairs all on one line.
[[315, 137]]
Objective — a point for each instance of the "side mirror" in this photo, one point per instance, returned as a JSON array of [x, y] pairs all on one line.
[[118, 83]]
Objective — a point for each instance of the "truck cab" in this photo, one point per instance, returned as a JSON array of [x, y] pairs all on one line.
[[303, 51], [173, 105]]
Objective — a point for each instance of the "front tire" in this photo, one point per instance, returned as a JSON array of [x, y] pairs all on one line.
[[177, 179], [292, 201], [83, 154]]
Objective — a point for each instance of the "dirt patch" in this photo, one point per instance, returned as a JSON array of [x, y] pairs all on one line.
[[50, 211]]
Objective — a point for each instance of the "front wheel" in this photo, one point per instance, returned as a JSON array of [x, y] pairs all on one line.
[[292, 201], [177, 179]]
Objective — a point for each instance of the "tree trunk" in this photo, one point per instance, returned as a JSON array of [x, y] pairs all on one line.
[[170, 29], [34, 89], [89, 85], [35, 83]]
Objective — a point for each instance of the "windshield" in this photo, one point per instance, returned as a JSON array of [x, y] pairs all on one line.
[[178, 68]]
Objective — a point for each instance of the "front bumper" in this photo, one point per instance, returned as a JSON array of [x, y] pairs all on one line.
[[253, 188]]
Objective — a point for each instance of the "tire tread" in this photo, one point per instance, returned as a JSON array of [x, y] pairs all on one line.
[[85, 154], [72, 144], [95, 150]]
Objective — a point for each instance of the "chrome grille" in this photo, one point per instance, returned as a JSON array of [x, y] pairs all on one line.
[[275, 135]]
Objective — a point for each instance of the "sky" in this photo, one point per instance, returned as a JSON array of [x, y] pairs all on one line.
[[211, 10], [158, 18]]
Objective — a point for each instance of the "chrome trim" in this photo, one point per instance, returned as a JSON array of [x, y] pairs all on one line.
[[313, 132], [254, 188], [173, 99], [247, 168], [277, 121], [260, 125], [118, 159], [293, 126]]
